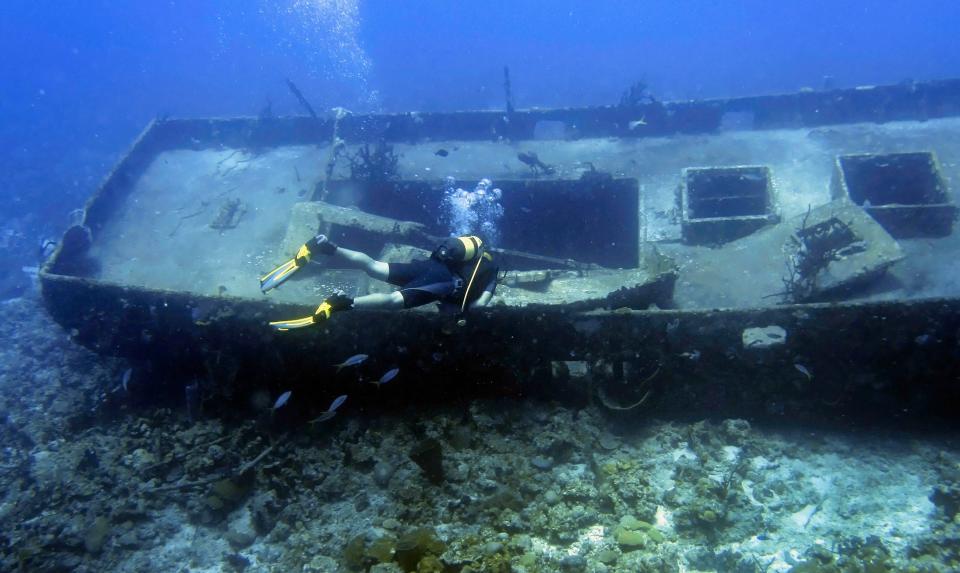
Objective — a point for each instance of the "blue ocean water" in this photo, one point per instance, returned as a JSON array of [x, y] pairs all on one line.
[[80, 79], [111, 461]]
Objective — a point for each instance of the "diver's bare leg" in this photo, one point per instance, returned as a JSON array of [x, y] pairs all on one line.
[[389, 301], [374, 268]]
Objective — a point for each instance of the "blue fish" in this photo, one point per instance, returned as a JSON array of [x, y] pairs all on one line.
[[283, 399], [337, 403], [388, 376], [125, 379], [352, 361], [331, 412]]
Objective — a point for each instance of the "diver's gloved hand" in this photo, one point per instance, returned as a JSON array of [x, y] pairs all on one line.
[[338, 301], [319, 244], [332, 304]]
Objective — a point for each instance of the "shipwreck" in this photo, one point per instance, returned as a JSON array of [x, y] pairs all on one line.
[[781, 257]]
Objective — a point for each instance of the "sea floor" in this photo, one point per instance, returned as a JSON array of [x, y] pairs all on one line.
[[96, 477]]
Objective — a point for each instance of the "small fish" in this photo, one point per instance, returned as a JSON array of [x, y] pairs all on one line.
[[337, 403], [283, 399], [352, 361], [125, 379], [388, 376], [441, 152], [692, 356], [673, 325], [923, 339], [637, 123], [804, 370], [331, 411]]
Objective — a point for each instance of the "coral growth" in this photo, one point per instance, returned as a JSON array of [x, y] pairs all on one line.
[[637, 94], [372, 165]]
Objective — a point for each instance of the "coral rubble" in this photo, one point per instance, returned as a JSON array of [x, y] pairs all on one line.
[[97, 477]]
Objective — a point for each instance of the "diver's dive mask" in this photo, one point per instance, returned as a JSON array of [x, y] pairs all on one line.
[[459, 249]]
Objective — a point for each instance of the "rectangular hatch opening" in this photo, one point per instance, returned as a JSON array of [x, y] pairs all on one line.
[[592, 222]]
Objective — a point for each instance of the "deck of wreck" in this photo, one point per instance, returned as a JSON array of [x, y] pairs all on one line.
[[697, 243]]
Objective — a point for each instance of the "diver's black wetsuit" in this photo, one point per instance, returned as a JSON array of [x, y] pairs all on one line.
[[426, 281]]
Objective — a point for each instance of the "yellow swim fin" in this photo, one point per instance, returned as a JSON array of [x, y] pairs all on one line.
[[279, 275], [285, 325], [323, 312]]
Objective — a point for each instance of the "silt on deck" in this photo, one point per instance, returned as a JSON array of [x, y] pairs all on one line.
[[829, 215]]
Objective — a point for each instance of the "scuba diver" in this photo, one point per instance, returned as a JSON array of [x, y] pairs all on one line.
[[460, 274]]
